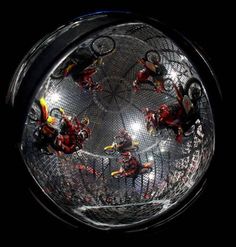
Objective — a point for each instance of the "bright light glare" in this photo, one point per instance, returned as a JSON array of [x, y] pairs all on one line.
[[55, 97], [136, 126], [162, 149], [151, 176], [162, 146], [105, 160], [173, 74], [150, 158]]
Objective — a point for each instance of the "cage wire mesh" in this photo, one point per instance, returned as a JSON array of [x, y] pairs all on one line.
[[81, 183]]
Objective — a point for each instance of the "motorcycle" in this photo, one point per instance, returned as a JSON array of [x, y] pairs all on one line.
[[85, 57], [89, 84], [192, 92], [47, 125], [144, 168], [189, 118], [158, 72], [45, 137], [112, 149]]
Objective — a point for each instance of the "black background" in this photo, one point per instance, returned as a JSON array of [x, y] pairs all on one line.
[[24, 25]]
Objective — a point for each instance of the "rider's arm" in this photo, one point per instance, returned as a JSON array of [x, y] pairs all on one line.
[[175, 123], [89, 71]]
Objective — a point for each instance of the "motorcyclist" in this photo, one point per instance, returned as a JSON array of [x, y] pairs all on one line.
[[124, 140], [73, 134], [47, 131], [86, 82], [82, 67], [154, 70], [173, 116], [129, 164]]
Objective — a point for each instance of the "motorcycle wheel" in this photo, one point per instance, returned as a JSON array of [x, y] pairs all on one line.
[[103, 45], [56, 113], [168, 84], [153, 56], [193, 89]]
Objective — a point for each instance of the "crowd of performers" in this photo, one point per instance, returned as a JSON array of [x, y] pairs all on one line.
[[64, 134]]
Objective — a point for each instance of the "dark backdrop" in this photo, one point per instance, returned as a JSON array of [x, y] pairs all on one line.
[[24, 25]]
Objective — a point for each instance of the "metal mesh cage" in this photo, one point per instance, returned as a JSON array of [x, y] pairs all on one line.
[[81, 182]]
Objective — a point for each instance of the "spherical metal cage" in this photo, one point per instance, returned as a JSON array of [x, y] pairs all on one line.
[[80, 182]]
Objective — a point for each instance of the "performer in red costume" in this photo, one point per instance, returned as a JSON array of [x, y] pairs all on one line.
[[152, 73], [73, 134], [179, 116], [84, 78]]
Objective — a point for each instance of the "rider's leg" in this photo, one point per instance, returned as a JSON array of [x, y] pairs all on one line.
[[179, 136]]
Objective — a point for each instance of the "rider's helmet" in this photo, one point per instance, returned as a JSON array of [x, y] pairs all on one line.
[[126, 156], [85, 121]]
